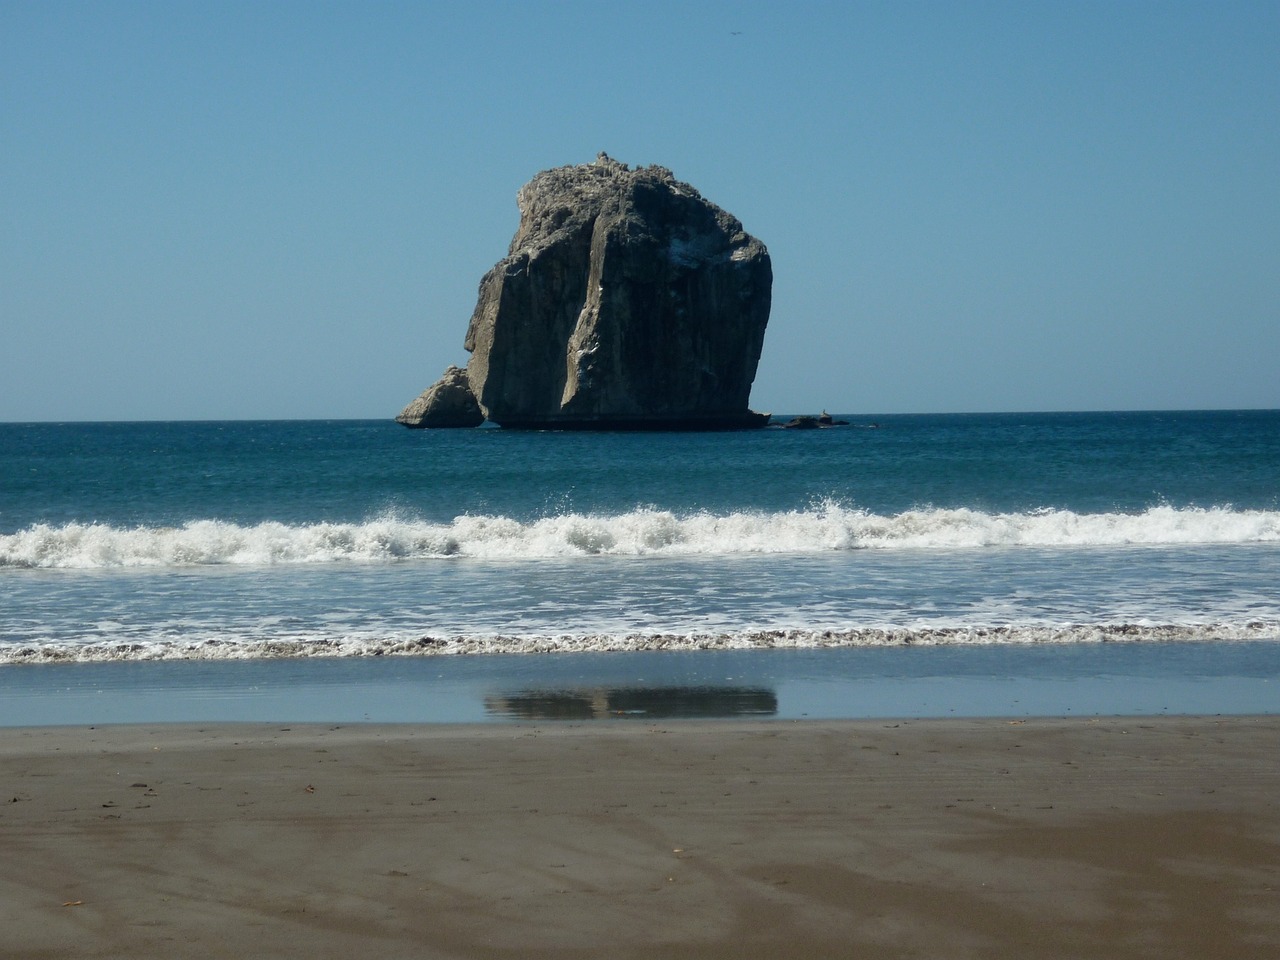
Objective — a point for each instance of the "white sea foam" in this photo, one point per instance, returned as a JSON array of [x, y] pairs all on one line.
[[188, 647], [829, 527]]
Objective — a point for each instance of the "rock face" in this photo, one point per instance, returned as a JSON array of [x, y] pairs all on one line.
[[448, 402], [626, 300]]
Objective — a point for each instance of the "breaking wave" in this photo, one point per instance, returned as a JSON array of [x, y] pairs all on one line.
[[641, 532]]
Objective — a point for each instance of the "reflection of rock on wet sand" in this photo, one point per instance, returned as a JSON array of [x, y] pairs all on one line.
[[638, 702]]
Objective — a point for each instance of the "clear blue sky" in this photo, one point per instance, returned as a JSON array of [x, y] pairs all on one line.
[[244, 210]]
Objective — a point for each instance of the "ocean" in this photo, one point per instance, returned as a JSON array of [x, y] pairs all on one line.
[[1004, 564]]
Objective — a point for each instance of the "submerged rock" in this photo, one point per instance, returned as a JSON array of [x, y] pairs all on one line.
[[448, 402], [626, 300]]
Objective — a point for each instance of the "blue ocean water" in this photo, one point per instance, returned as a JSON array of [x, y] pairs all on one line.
[[271, 544]]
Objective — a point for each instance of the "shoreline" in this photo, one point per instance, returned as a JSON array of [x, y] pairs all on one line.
[[1134, 836], [1085, 680], [429, 645]]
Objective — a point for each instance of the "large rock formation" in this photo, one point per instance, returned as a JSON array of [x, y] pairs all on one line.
[[448, 402], [626, 300]]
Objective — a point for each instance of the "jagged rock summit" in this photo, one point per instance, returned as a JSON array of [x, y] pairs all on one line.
[[625, 301]]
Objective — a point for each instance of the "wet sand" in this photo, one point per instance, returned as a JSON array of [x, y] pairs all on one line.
[[1119, 838]]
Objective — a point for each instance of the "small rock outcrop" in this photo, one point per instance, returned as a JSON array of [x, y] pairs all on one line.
[[808, 422], [626, 301], [448, 402]]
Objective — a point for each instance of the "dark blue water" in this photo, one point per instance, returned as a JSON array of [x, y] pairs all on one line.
[[310, 471]]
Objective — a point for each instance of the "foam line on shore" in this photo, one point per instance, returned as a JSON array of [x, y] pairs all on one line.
[[173, 648]]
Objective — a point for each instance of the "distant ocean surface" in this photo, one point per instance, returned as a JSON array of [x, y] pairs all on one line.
[[275, 541]]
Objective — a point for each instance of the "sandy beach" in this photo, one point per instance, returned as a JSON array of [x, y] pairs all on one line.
[[1126, 837]]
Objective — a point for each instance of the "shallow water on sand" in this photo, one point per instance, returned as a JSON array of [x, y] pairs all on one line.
[[1053, 680]]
